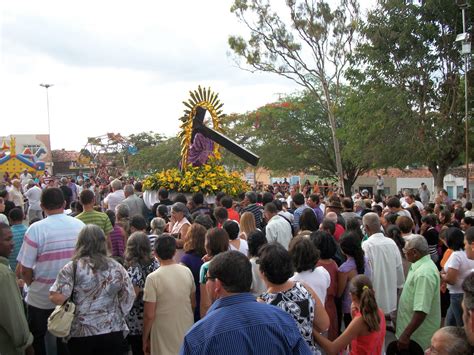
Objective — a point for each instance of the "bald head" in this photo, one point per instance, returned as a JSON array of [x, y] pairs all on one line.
[[450, 340]]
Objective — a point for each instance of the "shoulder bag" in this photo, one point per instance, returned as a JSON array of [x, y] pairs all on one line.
[[59, 322]]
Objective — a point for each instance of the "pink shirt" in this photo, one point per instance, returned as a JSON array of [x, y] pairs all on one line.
[[371, 343]]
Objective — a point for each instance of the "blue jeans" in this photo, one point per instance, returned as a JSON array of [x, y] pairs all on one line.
[[454, 314]]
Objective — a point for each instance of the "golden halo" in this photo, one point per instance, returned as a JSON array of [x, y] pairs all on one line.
[[207, 100]]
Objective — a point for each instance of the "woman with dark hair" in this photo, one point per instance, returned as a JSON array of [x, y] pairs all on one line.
[[308, 222], [428, 230], [388, 219], [366, 332], [255, 240], [204, 220], [295, 298], [216, 241], [456, 269], [103, 295], [444, 218], [162, 211], [235, 243], [305, 257], [140, 263], [169, 297], [394, 233], [459, 214], [353, 225], [416, 216], [327, 246], [356, 264], [193, 252], [118, 236]]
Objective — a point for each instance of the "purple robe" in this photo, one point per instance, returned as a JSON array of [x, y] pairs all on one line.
[[200, 150]]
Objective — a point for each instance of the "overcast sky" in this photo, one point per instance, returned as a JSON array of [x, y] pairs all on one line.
[[118, 66]]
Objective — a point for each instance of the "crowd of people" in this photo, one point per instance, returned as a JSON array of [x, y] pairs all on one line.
[[273, 272]]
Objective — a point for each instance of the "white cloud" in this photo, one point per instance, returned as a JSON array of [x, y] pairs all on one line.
[[118, 66]]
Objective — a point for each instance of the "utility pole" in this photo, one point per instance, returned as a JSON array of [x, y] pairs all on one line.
[[47, 86], [465, 40]]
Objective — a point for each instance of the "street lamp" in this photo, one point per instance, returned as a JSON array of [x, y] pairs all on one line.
[[47, 86], [464, 39]]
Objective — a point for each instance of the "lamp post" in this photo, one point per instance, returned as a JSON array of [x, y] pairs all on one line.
[[47, 86], [465, 39]]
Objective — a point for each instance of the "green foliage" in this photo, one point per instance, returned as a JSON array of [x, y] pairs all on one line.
[[369, 117], [311, 48], [291, 135], [410, 61], [162, 156], [145, 139]]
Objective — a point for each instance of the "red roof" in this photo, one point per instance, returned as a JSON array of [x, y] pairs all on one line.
[[64, 155], [399, 173]]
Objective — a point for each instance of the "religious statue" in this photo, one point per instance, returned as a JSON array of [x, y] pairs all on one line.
[[199, 142], [202, 148]]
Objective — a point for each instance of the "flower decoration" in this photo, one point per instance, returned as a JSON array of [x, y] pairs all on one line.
[[209, 178]]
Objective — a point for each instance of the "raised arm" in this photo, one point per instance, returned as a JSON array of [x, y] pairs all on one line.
[[356, 327]]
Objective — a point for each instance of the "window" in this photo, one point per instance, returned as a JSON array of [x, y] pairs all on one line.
[[449, 189]]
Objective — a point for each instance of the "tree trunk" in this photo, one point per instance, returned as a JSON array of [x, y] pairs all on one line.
[[352, 174], [348, 186], [438, 173], [335, 141]]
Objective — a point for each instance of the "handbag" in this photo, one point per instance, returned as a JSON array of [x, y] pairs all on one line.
[[60, 320]]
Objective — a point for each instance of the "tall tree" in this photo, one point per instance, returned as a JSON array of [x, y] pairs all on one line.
[[145, 139], [311, 49], [410, 48], [162, 155], [293, 134], [377, 127]]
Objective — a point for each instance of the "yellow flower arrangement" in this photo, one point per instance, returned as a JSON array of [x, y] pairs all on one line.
[[209, 178]]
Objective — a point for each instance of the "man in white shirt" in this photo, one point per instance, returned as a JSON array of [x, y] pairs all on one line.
[[48, 245], [25, 177], [16, 196], [114, 198], [33, 194], [410, 200], [278, 229], [386, 261]]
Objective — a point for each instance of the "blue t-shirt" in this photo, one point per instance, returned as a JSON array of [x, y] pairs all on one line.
[[18, 231]]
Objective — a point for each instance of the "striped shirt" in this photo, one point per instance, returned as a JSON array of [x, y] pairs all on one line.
[[238, 324], [18, 232], [117, 239], [48, 246], [100, 219], [257, 212]]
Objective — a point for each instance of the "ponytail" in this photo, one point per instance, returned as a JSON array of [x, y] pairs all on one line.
[[362, 288], [369, 309]]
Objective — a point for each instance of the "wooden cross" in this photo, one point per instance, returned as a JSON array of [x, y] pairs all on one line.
[[222, 140]]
